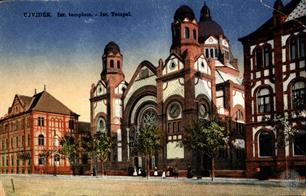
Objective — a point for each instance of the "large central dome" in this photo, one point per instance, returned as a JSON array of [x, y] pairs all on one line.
[[208, 27], [184, 12]]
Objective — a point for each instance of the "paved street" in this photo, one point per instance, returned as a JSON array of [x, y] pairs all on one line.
[[123, 185]]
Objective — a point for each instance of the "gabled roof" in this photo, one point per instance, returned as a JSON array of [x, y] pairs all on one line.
[[44, 102], [144, 63], [268, 26], [26, 100]]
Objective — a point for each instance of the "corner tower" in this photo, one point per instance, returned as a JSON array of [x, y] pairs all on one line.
[[106, 99], [112, 63]]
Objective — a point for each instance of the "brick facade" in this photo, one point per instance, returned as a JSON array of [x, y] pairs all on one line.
[[31, 129], [272, 74]]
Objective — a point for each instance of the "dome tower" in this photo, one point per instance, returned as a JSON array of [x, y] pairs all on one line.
[[111, 61], [184, 32], [207, 26]]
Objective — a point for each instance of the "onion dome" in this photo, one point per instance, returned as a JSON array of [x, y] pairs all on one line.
[[111, 47], [208, 27], [184, 12]]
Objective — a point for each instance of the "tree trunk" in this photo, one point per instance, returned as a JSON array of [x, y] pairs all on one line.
[[102, 168], [148, 166], [212, 168], [286, 167]]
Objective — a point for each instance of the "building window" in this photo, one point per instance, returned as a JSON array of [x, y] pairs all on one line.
[[16, 125], [57, 160], [71, 124], [298, 95], [263, 57], [28, 122], [220, 97], [263, 101], [194, 34], [292, 49], [12, 143], [41, 160], [299, 141], [101, 125], [174, 110], [267, 56], [12, 160], [41, 140], [144, 73], [216, 53], [22, 141], [297, 47], [56, 141], [29, 140], [148, 117], [258, 58], [207, 52], [17, 142], [41, 121], [203, 110], [187, 33], [266, 144], [112, 63], [212, 53], [239, 115], [226, 55], [118, 64]]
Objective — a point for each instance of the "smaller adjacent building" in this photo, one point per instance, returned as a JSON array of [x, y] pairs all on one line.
[[275, 85], [30, 134]]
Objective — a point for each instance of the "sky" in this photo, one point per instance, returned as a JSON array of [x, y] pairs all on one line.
[[64, 53]]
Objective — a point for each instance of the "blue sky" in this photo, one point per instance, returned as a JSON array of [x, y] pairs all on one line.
[[65, 53]]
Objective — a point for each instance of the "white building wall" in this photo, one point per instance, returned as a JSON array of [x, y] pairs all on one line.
[[203, 87], [173, 87], [238, 98], [99, 106]]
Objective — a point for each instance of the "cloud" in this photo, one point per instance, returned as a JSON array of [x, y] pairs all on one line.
[[89, 21]]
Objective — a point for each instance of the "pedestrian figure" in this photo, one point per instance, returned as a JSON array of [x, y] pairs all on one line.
[[189, 172], [164, 174], [155, 171], [168, 171], [175, 172], [135, 171]]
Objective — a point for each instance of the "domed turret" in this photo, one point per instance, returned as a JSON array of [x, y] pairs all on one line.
[[111, 47], [111, 60], [184, 12], [208, 27], [184, 31]]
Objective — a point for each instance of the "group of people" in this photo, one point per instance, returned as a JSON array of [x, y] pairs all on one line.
[[169, 172]]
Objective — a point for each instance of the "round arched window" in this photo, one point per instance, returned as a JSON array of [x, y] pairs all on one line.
[[203, 111], [174, 110], [266, 144], [148, 117], [101, 124]]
